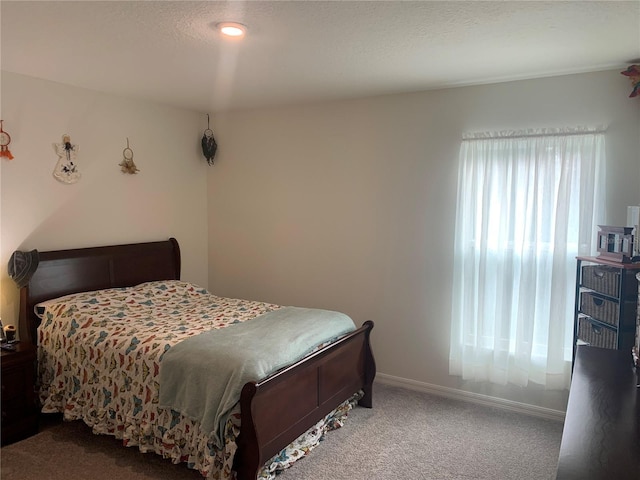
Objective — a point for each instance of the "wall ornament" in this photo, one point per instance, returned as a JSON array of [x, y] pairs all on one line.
[[66, 170]]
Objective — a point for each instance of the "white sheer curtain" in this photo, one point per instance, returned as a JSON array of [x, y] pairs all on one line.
[[528, 203]]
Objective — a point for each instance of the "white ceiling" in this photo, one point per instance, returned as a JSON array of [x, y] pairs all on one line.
[[304, 51]]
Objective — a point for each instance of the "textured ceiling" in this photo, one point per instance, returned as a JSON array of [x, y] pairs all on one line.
[[304, 51]]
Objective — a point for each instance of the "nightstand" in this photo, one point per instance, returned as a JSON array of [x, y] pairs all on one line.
[[19, 404]]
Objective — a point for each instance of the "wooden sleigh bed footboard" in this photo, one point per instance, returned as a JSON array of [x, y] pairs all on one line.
[[275, 411], [282, 407]]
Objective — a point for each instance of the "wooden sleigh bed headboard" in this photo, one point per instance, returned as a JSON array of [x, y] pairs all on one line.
[[62, 272]]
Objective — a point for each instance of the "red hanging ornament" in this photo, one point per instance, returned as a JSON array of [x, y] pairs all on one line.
[[633, 72], [5, 140]]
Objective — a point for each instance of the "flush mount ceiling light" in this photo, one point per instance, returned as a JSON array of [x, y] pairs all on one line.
[[232, 29]]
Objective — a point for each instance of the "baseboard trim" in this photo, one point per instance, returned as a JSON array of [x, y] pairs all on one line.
[[456, 394]]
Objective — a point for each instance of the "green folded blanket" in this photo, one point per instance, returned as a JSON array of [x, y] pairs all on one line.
[[202, 377]]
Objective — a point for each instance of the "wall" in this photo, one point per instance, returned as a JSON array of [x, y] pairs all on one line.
[[166, 198], [350, 205]]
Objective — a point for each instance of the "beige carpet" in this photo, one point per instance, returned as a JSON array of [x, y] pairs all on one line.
[[407, 435]]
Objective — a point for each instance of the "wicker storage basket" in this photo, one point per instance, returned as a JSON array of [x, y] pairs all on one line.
[[602, 279], [596, 335], [606, 280], [606, 310]]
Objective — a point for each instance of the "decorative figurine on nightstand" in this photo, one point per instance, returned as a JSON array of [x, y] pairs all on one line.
[[5, 342], [66, 170], [10, 333]]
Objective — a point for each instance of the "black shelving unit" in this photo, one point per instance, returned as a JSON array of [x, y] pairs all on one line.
[[606, 303]]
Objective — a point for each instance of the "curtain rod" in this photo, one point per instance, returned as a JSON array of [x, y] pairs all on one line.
[[524, 134]]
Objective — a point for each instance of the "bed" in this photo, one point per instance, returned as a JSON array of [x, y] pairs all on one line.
[[298, 401]]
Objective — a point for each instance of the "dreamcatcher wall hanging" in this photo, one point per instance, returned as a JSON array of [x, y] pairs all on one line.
[[127, 165], [209, 145], [5, 140], [66, 170]]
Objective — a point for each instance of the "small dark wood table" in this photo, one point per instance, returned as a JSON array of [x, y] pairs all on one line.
[[18, 399], [601, 436]]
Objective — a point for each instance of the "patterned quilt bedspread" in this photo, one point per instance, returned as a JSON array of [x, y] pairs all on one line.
[[99, 358]]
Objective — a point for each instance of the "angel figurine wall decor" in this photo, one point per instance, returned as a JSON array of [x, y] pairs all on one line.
[[66, 170]]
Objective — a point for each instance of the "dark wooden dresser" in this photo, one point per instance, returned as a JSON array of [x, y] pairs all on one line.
[[601, 436]]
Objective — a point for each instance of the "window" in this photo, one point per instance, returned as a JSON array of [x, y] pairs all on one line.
[[528, 204]]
